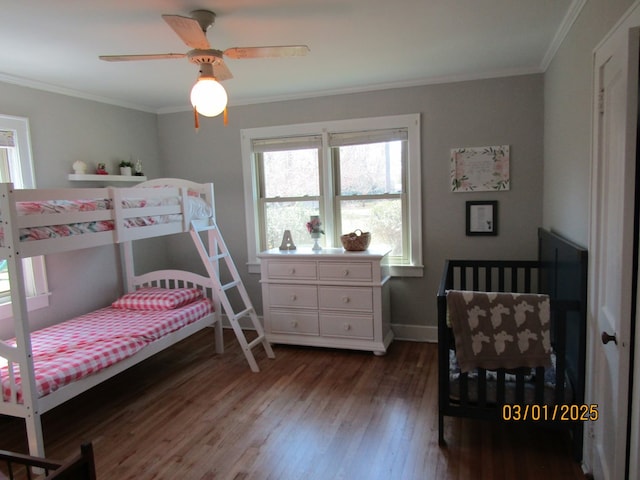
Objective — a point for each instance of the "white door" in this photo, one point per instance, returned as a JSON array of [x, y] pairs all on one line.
[[611, 249]]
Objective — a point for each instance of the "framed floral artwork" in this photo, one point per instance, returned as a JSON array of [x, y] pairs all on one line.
[[480, 169]]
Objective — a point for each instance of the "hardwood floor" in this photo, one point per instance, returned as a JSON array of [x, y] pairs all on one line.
[[310, 414]]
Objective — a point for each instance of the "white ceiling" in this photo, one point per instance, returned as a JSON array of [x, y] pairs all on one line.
[[356, 45]]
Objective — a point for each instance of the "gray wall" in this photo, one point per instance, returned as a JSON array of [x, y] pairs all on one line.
[[65, 129], [465, 114], [567, 121]]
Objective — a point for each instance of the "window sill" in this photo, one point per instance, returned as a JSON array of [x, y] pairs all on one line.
[[33, 303]]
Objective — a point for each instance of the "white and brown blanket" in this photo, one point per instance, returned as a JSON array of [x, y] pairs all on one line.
[[500, 330]]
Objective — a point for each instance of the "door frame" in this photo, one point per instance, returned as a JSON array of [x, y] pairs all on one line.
[[629, 22]]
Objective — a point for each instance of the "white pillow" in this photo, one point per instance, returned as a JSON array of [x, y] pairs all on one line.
[[198, 208]]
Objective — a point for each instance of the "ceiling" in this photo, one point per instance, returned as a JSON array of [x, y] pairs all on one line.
[[355, 45]]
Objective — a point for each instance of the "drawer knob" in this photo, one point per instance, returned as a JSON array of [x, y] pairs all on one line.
[[345, 272], [346, 299], [292, 271], [294, 324], [347, 327], [293, 298]]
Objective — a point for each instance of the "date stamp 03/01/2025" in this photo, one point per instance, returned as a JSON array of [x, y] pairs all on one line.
[[542, 413]]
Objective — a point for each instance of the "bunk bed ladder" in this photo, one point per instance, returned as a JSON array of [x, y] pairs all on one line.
[[211, 256]]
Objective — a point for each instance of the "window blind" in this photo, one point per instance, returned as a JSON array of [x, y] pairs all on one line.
[[289, 143], [344, 139]]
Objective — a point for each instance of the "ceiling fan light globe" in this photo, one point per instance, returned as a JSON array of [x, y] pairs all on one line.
[[209, 97]]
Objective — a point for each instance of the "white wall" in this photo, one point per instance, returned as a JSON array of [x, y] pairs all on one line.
[[567, 120], [65, 129], [465, 114]]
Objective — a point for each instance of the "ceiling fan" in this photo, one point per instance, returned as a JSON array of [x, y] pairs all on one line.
[[193, 32]]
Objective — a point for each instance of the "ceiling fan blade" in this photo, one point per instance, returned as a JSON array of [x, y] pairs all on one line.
[[221, 71], [189, 30], [266, 52], [153, 56]]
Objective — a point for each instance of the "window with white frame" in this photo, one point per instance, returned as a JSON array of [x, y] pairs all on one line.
[[354, 174], [16, 166]]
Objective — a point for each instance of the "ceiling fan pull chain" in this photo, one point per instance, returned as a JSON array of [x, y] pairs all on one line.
[[224, 116], [195, 118]]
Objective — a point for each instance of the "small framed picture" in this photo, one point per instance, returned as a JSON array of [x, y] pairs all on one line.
[[482, 218]]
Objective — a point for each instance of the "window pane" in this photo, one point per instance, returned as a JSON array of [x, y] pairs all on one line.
[[383, 218], [293, 216], [371, 169], [291, 173], [4, 279]]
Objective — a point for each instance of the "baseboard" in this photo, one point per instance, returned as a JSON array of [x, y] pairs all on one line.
[[415, 333]]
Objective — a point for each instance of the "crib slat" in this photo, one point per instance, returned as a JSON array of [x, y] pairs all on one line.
[[520, 387], [527, 279], [482, 387], [487, 279], [500, 390], [464, 389], [539, 386]]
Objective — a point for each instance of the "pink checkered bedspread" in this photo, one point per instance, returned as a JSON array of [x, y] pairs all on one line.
[[87, 344]]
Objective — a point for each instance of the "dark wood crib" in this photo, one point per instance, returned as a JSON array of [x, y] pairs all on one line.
[[549, 396], [79, 467]]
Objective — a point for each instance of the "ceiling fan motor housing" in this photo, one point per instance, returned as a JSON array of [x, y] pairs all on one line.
[[199, 57]]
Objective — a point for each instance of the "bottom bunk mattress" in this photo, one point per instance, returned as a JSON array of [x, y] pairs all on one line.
[[510, 385], [82, 346]]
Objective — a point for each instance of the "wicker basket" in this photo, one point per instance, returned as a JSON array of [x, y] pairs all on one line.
[[356, 241]]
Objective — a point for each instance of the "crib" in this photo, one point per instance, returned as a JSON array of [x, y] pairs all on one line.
[[78, 467], [542, 395]]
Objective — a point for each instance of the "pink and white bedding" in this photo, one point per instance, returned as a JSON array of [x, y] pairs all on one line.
[[89, 343], [196, 207]]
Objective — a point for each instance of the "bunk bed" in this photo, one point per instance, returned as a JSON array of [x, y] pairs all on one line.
[[42, 369], [524, 385]]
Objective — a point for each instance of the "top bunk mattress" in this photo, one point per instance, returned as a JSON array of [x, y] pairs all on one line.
[[92, 342], [50, 212], [59, 213]]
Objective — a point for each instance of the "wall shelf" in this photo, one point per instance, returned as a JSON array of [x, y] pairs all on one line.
[[86, 177]]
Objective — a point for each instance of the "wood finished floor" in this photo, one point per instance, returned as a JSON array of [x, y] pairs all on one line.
[[309, 414]]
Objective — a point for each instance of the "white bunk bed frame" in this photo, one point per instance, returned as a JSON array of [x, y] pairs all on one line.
[[14, 250]]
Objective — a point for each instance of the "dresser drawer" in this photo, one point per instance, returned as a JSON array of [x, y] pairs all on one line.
[[348, 326], [346, 298], [358, 272], [303, 296], [299, 323], [292, 270]]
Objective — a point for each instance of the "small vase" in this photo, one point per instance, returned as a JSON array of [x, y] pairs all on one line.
[[126, 171], [316, 245]]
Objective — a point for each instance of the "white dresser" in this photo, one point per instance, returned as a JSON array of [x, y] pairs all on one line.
[[327, 298]]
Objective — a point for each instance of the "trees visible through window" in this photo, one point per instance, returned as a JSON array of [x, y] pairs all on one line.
[[358, 174]]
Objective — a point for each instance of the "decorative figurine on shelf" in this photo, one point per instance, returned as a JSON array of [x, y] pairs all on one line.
[[101, 170], [138, 168], [79, 167], [314, 227]]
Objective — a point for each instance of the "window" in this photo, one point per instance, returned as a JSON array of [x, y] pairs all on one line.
[[355, 174], [16, 166]]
